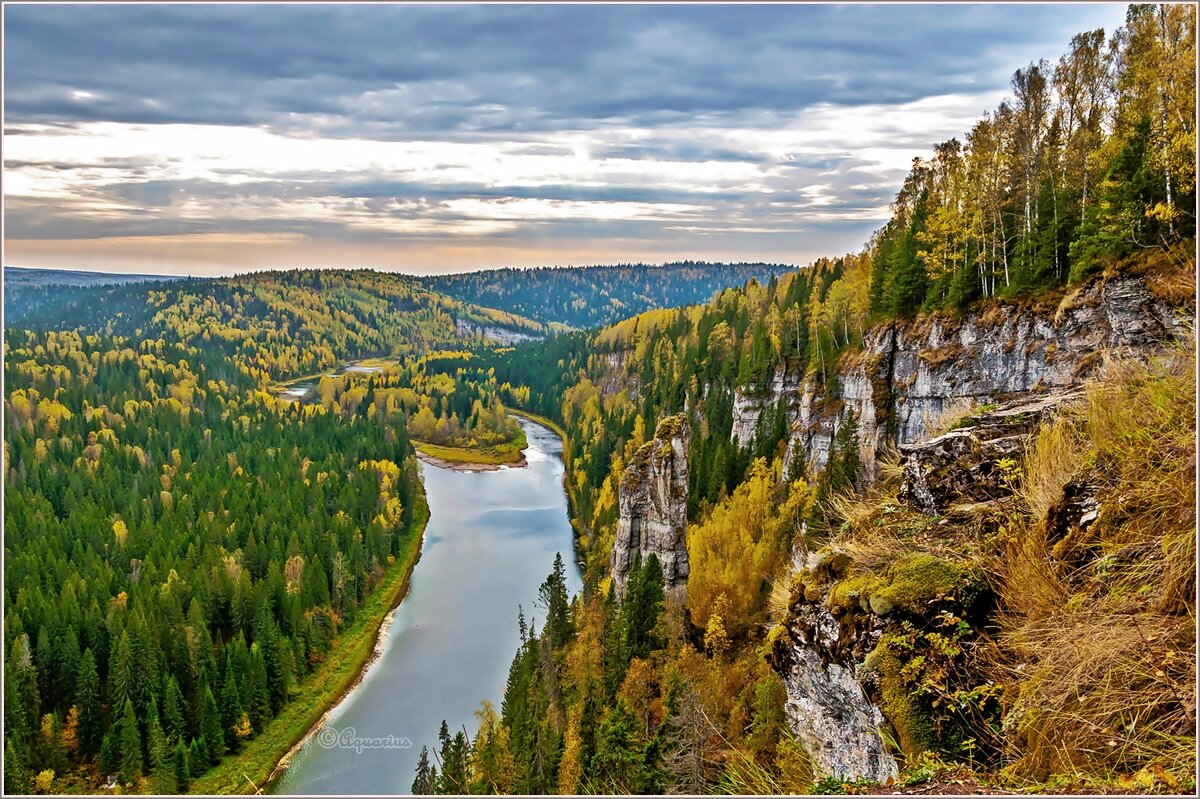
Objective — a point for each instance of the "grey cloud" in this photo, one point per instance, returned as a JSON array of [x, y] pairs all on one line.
[[509, 68], [517, 74]]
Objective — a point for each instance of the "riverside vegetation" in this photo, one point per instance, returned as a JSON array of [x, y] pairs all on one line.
[[187, 554], [1015, 644], [185, 543]]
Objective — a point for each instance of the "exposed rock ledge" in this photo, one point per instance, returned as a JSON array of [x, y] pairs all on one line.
[[909, 374], [827, 708], [653, 505], [965, 465]]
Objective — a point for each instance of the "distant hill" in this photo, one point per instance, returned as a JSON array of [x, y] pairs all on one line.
[[34, 276], [593, 296], [577, 297], [286, 323], [31, 292]]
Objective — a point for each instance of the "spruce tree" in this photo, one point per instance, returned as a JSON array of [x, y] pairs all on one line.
[[197, 757], [120, 673], [174, 721], [258, 703], [22, 703], [210, 727], [231, 709], [552, 597], [130, 743], [16, 771], [644, 597], [110, 749], [423, 784], [87, 699], [183, 778], [160, 751]]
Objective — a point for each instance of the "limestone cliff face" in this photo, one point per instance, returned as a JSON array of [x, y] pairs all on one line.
[[909, 375], [747, 406], [652, 498]]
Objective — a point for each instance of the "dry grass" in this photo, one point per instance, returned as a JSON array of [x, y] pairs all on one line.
[[1098, 628], [951, 351], [879, 531], [950, 416], [1050, 464], [780, 599], [1169, 274]]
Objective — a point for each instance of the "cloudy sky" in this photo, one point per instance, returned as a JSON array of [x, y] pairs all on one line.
[[429, 138]]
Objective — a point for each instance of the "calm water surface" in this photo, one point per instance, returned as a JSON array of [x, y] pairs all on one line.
[[490, 542]]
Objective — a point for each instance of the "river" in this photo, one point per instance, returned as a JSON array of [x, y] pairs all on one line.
[[490, 542]]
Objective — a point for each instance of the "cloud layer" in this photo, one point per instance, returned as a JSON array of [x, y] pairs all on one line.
[[214, 138]]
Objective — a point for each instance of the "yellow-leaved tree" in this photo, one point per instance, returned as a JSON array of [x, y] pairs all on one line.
[[742, 544]]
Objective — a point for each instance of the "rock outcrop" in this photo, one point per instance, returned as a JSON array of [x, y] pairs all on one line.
[[652, 498], [1022, 362], [499, 335], [749, 406], [966, 465], [909, 376], [827, 708]]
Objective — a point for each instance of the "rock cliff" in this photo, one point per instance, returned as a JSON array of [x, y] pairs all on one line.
[[964, 467], [827, 708], [909, 376], [1009, 369], [652, 498]]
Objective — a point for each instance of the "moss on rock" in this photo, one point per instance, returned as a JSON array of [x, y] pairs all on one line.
[[853, 592], [915, 581], [914, 731]]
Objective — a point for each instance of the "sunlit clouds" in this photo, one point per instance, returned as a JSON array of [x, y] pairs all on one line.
[[481, 136]]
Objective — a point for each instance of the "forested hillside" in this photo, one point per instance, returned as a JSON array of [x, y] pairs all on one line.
[[585, 297], [275, 324], [1090, 163], [181, 550], [953, 621]]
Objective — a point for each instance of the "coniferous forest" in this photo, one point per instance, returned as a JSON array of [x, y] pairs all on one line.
[[196, 563]]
